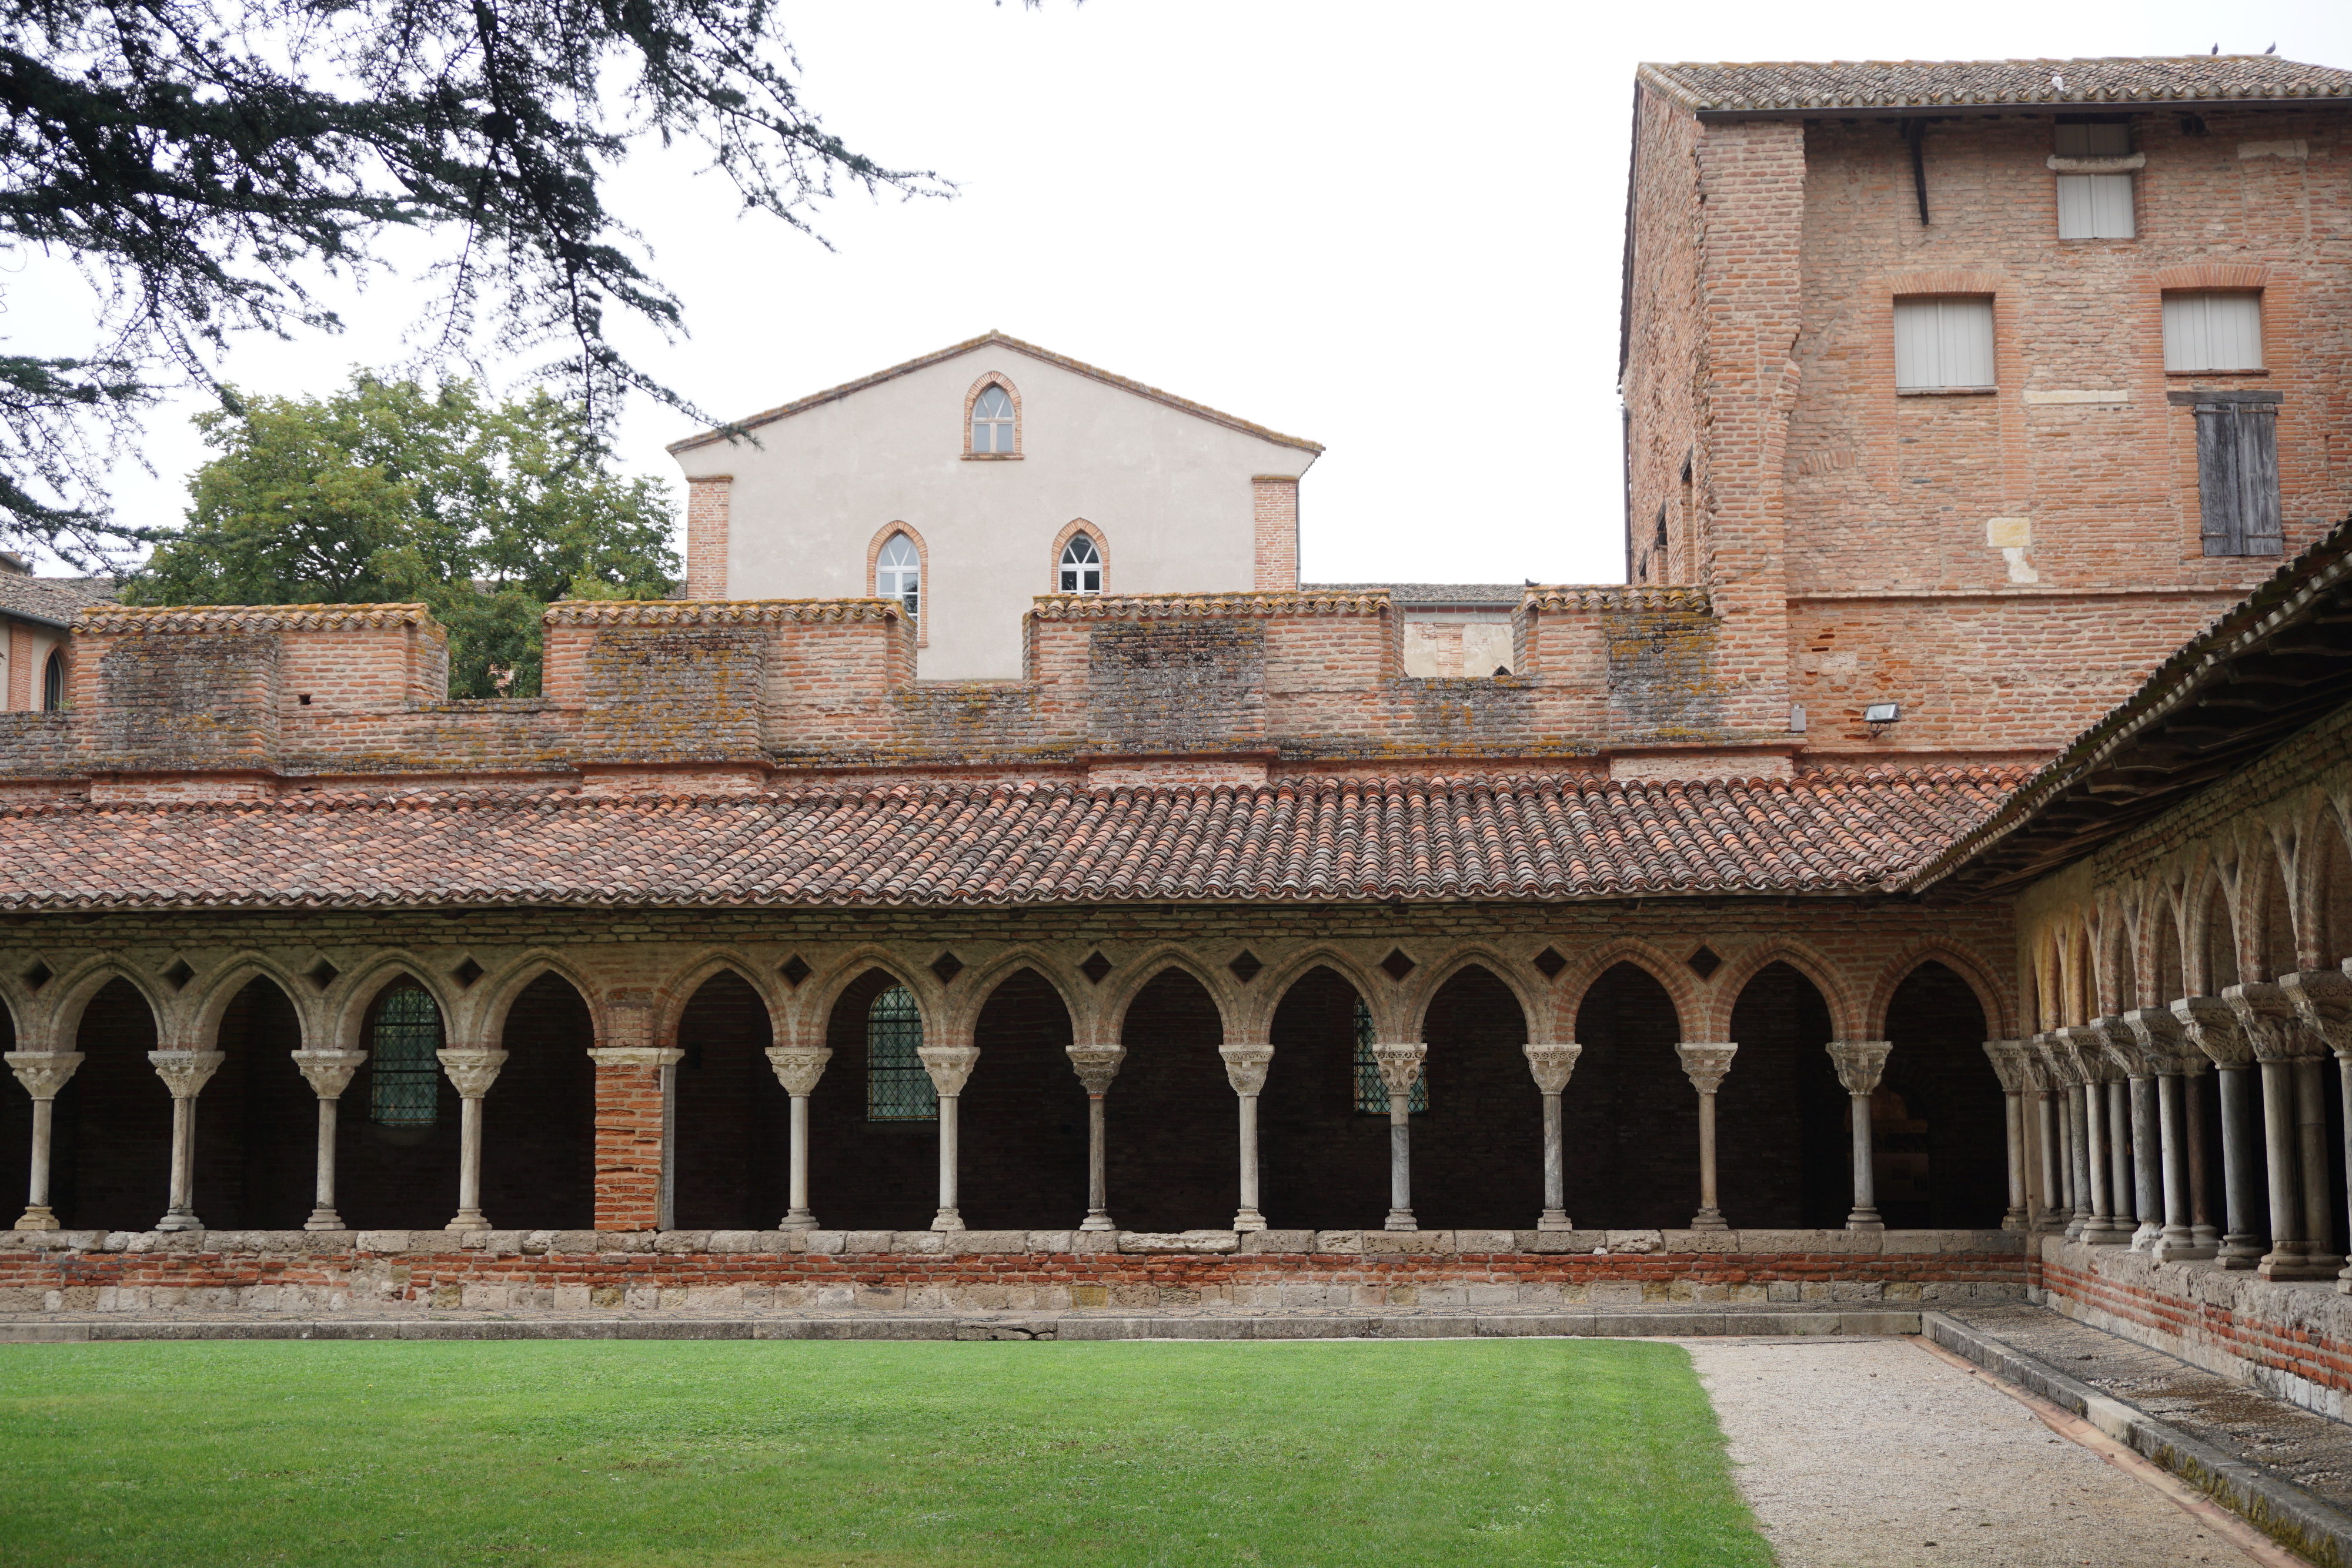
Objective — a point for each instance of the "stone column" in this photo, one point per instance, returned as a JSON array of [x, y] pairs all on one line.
[[1400, 1069], [329, 1073], [2058, 1064], [2210, 1025], [1097, 1065], [1859, 1064], [2164, 1046], [44, 1075], [472, 1070], [2323, 999], [1704, 1066], [636, 1092], [2087, 1044], [1551, 1065], [1246, 1069], [798, 1068], [2079, 1155], [2266, 1017], [2055, 1210], [949, 1067], [184, 1074], [2008, 1059], [2137, 1148]]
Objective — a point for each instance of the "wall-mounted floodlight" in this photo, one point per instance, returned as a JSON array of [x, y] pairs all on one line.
[[1882, 712]]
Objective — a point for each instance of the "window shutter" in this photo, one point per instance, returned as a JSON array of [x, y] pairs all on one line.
[[2213, 331], [2237, 478], [2095, 206], [2075, 218], [1943, 343]]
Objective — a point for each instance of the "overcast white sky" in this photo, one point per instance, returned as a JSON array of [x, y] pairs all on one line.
[[1390, 228]]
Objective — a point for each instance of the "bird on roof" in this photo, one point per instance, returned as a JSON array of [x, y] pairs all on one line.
[[2272, 51]]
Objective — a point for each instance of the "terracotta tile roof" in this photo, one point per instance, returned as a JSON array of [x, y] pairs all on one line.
[[1505, 594], [949, 844], [1788, 84], [52, 601]]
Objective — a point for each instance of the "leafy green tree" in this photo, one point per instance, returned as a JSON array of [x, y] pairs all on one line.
[[206, 163], [390, 491]]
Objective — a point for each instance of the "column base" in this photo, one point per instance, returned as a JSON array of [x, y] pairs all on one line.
[[1400, 1219], [469, 1220], [1555, 1219], [179, 1222], [2344, 1283], [2014, 1220], [2179, 1246], [1708, 1219], [1248, 1219], [948, 1219], [2278, 1265], [2146, 1237], [2240, 1252], [2094, 1235], [2205, 1235], [1865, 1219], [324, 1219], [2074, 1231], [1096, 1219], [39, 1217], [798, 1219]]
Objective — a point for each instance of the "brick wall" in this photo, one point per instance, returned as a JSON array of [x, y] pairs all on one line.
[[708, 501], [1273, 512]]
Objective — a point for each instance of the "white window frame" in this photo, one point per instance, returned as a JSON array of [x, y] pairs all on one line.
[[994, 422], [2096, 207], [898, 573], [2210, 331], [1080, 574], [1944, 343]]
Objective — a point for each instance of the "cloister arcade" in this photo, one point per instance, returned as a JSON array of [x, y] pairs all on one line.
[[1012, 1085]]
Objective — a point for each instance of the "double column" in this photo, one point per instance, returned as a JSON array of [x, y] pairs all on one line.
[[2185, 1231], [184, 1074], [2105, 1157], [2138, 1145], [2323, 1000], [2210, 1025], [1860, 1063], [1704, 1065], [2008, 1059], [2062, 1186], [329, 1073], [2295, 1130]]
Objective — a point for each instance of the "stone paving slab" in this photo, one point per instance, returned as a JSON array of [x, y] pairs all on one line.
[[2285, 1469], [1078, 1325]]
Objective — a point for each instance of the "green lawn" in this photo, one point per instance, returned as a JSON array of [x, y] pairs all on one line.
[[801, 1455]]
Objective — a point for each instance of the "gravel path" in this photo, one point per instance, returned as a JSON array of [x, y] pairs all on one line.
[[1873, 1453]]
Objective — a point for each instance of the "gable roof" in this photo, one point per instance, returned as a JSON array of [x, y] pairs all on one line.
[[1727, 90], [2274, 664], [987, 341], [949, 844]]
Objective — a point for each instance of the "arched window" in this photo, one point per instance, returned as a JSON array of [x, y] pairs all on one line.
[[1371, 1093], [898, 1088], [53, 681], [898, 572], [1081, 566], [992, 420], [404, 1075]]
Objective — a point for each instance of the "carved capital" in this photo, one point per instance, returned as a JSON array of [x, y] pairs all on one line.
[[1245, 1066], [1552, 1064], [471, 1069], [1859, 1062], [186, 1072], [2322, 999], [636, 1055], [799, 1067], [44, 1072], [2210, 1025], [1704, 1065], [328, 1071], [2162, 1041], [2087, 1046], [2266, 1017], [2122, 1048], [2009, 1064], [1097, 1065], [1400, 1066], [949, 1065], [2057, 1063]]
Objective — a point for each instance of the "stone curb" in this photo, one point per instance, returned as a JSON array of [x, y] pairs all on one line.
[[2269, 1502], [1075, 1326]]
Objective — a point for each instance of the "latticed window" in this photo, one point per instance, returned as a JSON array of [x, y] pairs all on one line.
[[898, 574], [897, 1087], [1081, 566], [404, 1076], [992, 420], [1372, 1095]]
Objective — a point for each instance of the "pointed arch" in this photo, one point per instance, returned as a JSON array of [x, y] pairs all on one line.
[[84, 981], [1727, 982], [2210, 939], [2001, 1013], [1267, 992], [824, 990], [1148, 966], [902, 528], [993, 450], [2115, 930], [491, 998], [223, 986], [677, 992], [1060, 558], [354, 995], [2266, 924], [1577, 980], [2164, 966], [975, 986], [1534, 1006]]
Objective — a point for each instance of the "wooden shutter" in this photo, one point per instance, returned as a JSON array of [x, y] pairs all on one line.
[[1943, 343], [2237, 478]]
